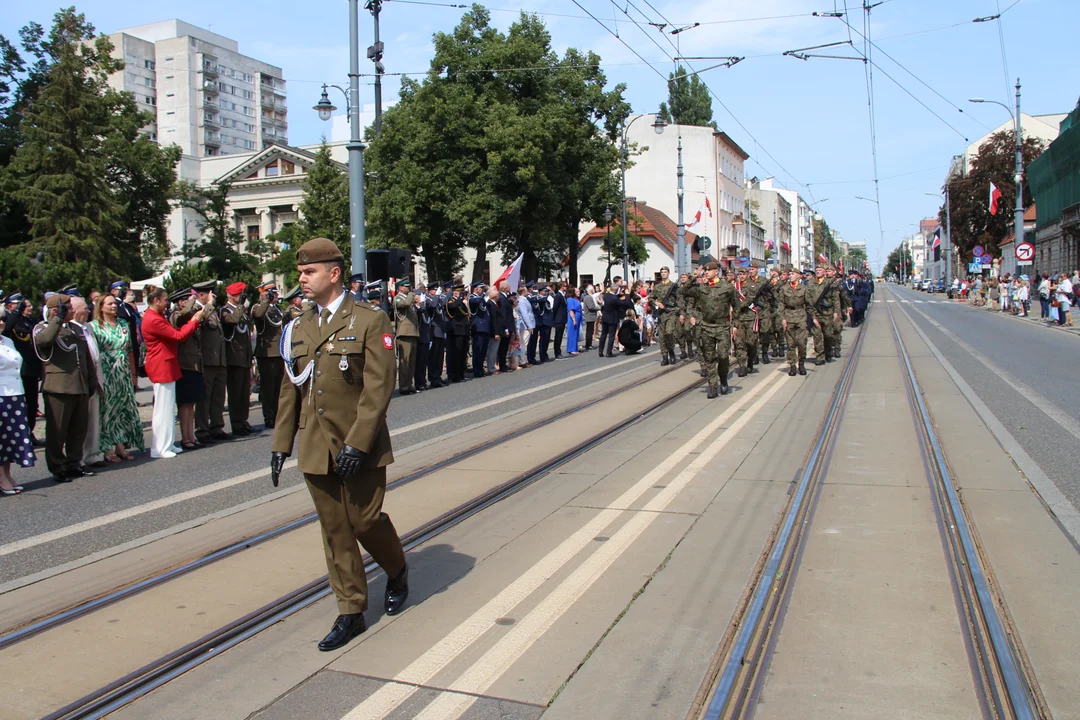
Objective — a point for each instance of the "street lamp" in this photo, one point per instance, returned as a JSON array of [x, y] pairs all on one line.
[[658, 127], [608, 215], [1018, 212], [356, 147], [947, 250]]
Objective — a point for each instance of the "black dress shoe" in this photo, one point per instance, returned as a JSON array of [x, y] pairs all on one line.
[[346, 627], [241, 432], [725, 389], [204, 438], [397, 591], [220, 435], [81, 472], [99, 464], [61, 478], [37, 442]]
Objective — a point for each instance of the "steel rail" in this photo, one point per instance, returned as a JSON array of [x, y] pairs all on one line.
[[139, 683], [742, 657], [82, 609], [1003, 655]]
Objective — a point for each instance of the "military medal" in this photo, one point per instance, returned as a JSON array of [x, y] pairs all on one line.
[[343, 363]]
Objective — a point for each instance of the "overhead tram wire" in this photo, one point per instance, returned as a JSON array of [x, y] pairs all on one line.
[[869, 72], [1001, 39], [616, 36]]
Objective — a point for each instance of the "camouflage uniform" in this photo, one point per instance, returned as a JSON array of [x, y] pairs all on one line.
[[667, 317], [825, 303], [845, 308], [794, 302], [688, 337], [714, 300], [747, 313], [776, 335]]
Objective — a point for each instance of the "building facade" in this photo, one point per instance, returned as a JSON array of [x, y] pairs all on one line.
[[1055, 182], [205, 95], [656, 228], [774, 213]]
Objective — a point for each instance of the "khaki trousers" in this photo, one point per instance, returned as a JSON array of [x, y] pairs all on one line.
[[210, 413], [350, 511], [406, 363], [66, 418]]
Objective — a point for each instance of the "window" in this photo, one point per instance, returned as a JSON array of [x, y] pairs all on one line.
[[586, 280], [223, 87], [131, 59], [168, 77], [252, 232], [149, 64], [272, 169], [249, 144], [148, 82], [168, 59], [150, 100], [287, 168]]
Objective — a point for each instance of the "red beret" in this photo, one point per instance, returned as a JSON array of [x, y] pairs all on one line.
[[236, 288]]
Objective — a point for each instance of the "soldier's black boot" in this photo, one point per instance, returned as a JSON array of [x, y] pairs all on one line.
[[836, 353], [664, 362], [802, 368], [765, 358], [683, 355], [712, 393], [820, 360], [740, 372], [724, 370], [791, 371]]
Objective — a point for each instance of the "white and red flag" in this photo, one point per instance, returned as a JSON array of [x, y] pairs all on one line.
[[821, 258], [512, 274], [704, 212], [995, 195]]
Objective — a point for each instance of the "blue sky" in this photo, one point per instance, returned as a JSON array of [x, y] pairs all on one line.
[[804, 122]]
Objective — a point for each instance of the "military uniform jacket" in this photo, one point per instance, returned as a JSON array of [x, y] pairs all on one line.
[[794, 303], [189, 353], [714, 301], [687, 304], [344, 401], [267, 319], [666, 293], [69, 369], [457, 311], [234, 324], [212, 342], [750, 301], [481, 318], [408, 322], [824, 296], [292, 312]]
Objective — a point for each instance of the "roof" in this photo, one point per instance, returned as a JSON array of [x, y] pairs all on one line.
[[653, 223], [731, 143], [304, 158]]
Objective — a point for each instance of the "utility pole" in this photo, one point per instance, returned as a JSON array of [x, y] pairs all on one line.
[[948, 236], [682, 256], [356, 147], [1018, 219], [375, 54]]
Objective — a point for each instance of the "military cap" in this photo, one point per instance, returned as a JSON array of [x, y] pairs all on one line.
[[318, 250], [14, 298], [204, 286], [236, 288], [458, 284], [54, 299], [266, 287], [448, 285], [712, 265], [180, 295], [477, 285], [295, 292], [71, 291], [742, 269], [118, 284], [373, 290], [403, 283], [357, 278], [530, 285]]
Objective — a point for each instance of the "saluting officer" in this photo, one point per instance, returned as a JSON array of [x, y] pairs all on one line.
[[234, 325], [440, 330], [70, 380], [408, 335], [664, 297], [795, 306], [268, 318], [457, 310], [340, 377], [210, 412], [715, 300]]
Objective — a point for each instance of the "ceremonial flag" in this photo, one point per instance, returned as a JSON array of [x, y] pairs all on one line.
[[512, 274], [936, 245], [821, 258], [701, 214], [995, 195]]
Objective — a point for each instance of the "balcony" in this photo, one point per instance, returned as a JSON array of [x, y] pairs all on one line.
[[281, 107], [267, 101], [210, 122], [209, 86], [211, 140], [209, 69], [209, 103]]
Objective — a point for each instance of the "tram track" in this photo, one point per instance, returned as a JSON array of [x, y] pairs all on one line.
[[144, 680], [1002, 676]]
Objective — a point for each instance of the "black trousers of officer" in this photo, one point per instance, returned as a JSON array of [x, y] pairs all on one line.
[[559, 330], [435, 361], [545, 341], [238, 382], [32, 391], [480, 342], [455, 357], [607, 337], [271, 371], [420, 376]]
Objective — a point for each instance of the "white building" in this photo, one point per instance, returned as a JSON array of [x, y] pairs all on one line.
[[1043, 127], [654, 227], [712, 168], [774, 211], [206, 97]]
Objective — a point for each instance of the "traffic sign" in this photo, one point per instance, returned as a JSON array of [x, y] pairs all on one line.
[[706, 242], [977, 251], [975, 267], [1025, 252], [976, 260]]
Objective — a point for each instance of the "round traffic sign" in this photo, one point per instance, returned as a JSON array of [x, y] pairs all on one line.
[[977, 251], [1025, 251], [706, 242]]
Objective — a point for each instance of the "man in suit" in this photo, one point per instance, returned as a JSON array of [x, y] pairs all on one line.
[[545, 321], [268, 318], [210, 413], [340, 377], [507, 326], [558, 309], [616, 302], [70, 380], [237, 331]]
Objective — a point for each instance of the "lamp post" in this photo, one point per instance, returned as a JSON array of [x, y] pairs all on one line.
[[947, 250], [357, 233], [608, 215], [658, 127], [1018, 211]]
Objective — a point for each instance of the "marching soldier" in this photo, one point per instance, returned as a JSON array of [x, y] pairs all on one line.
[[664, 297], [748, 326], [457, 311], [843, 303], [795, 306], [234, 325], [210, 412], [769, 326], [295, 307], [821, 307], [687, 330], [408, 335], [268, 318], [339, 360], [715, 299], [70, 380]]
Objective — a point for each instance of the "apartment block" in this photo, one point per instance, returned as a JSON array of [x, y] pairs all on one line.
[[206, 96]]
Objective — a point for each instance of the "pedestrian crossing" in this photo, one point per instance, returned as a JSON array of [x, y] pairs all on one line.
[[921, 302]]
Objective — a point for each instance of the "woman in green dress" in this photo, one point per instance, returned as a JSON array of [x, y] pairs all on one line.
[[120, 422]]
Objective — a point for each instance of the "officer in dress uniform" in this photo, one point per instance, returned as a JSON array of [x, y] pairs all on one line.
[[795, 307], [408, 335], [545, 320], [339, 379], [210, 412], [457, 310], [424, 310], [747, 314], [237, 330], [664, 297], [268, 318], [715, 300], [440, 330], [295, 304], [481, 324], [70, 380], [19, 326], [357, 286]]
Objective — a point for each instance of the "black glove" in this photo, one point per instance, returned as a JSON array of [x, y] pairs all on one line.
[[277, 462], [349, 461]]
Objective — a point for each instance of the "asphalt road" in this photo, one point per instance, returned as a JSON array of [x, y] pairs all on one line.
[[46, 507], [1025, 373]]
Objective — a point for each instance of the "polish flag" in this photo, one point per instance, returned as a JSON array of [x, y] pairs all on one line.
[[821, 258], [995, 195], [937, 238], [701, 214], [512, 274]]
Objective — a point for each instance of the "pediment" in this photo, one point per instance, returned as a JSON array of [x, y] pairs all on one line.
[[277, 163]]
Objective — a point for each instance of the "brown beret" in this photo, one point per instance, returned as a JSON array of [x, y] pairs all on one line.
[[54, 300], [712, 265], [318, 250]]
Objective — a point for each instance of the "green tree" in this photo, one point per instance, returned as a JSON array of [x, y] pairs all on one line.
[[899, 263], [824, 240], [221, 249], [636, 251], [689, 101], [969, 196], [855, 258], [325, 205]]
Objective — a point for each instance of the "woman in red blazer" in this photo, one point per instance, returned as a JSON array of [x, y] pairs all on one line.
[[162, 367]]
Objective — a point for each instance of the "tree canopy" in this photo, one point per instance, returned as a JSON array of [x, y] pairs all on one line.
[[689, 101]]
